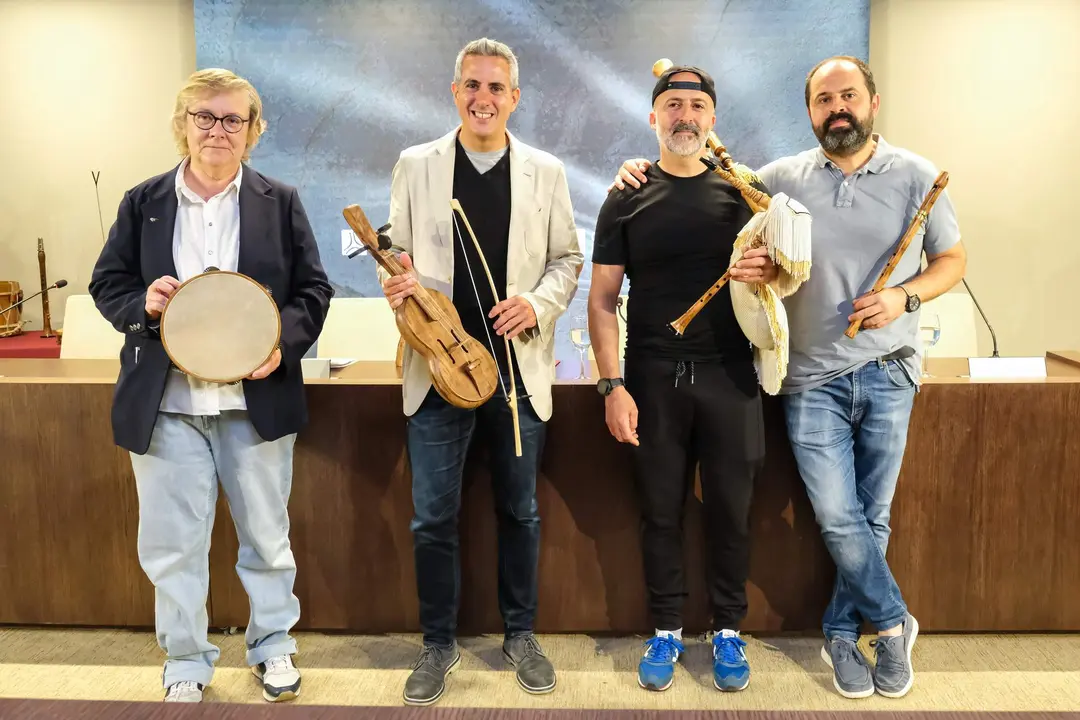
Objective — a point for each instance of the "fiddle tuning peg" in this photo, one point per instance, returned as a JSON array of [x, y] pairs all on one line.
[[384, 241], [383, 229]]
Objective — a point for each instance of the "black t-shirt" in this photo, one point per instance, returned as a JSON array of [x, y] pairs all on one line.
[[675, 236]]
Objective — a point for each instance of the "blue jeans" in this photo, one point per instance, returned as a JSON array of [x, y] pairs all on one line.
[[177, 482], [438, 437], [848, 437]]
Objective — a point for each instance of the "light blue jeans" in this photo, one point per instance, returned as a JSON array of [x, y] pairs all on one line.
[[848, 437], [177, 482]]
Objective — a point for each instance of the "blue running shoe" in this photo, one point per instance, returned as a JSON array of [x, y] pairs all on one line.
[[731, 671], [656, 671]]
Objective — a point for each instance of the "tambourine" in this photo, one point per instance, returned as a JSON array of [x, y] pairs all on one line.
[[220, 326]]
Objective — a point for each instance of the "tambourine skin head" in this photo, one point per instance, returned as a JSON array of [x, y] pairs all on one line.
[[220, 326]]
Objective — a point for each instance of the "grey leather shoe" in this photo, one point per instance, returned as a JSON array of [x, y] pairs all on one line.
[[535, 672], [428, 679]]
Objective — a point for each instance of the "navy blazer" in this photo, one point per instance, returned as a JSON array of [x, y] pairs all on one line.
[[277, 249]]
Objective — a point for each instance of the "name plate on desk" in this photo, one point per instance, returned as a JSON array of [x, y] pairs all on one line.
[[1006, 367], [315, 368]]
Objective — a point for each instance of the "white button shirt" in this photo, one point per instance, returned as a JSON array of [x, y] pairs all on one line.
[[206, 233]]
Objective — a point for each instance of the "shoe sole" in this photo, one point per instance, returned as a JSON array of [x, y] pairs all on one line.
[[731, 689], [526, 688], [652, 688], [911, 668], [284, 696], [849, 694], [432, 701]]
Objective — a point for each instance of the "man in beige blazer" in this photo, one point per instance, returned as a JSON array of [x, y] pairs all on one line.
[[518, 204]]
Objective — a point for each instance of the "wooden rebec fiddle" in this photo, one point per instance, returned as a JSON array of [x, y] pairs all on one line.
[[462, 370]]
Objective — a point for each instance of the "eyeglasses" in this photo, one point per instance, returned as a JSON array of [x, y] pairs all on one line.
[[205, 120]]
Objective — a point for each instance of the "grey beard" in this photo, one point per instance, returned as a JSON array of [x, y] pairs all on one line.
[[686, 148]]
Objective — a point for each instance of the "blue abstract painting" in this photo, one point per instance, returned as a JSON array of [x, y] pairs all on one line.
[[348, 84]]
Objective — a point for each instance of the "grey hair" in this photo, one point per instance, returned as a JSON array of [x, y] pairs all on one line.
[[486, 47]]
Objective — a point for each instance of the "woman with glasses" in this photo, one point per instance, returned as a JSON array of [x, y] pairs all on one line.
[[185, 435]]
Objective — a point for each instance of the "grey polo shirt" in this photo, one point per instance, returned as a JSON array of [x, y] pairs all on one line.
[[857, 225]]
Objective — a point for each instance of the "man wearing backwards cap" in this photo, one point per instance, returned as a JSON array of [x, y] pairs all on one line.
[[697, 394]]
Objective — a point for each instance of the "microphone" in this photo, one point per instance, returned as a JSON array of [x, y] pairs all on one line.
[[990, 327], [55, 286]]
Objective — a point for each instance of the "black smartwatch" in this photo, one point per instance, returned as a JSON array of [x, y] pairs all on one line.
[[604, 386]]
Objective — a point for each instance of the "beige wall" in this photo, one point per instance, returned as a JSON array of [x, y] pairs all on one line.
[[989, 90], [87, 86]]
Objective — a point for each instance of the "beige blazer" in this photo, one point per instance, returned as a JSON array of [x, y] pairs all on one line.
[[543, 258]]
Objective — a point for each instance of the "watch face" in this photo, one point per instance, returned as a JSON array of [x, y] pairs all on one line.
[[603, 386], [913, 303]]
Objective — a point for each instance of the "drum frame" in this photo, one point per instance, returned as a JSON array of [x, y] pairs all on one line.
[[277, 315], [11, 322]]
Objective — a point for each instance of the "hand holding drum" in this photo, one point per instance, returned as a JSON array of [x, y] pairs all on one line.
[[219, 326], [158, 294]]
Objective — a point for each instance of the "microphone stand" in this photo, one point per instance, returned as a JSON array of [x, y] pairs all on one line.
[[993, 335]]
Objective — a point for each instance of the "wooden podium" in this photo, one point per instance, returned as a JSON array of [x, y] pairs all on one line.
[[984, 531]]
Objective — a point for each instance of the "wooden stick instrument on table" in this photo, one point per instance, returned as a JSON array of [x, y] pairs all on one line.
[[463, 372], [913, 228], [511, 397], [47, 330]]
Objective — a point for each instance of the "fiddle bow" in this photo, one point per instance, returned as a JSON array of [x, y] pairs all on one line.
[[511, 397]]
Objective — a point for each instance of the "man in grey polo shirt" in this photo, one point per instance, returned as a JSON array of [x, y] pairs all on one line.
[[847, 402]]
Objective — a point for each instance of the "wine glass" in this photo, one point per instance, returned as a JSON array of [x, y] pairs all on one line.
[[930, 333], [579, 336]]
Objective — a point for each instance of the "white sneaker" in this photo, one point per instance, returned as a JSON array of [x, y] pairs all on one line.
[[184, 691], [280, 678]]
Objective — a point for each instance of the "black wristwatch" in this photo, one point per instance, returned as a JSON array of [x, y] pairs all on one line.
[[913, 300], [604, 386]]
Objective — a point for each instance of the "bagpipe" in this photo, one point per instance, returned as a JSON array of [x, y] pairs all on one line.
[[779, 224]]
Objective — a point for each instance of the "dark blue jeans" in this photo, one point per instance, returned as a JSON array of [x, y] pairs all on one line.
[[438, 439]]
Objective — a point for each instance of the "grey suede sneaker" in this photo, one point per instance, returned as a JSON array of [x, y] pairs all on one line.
[[428, 679], [535, 672], [852, 677], [894, 674]]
